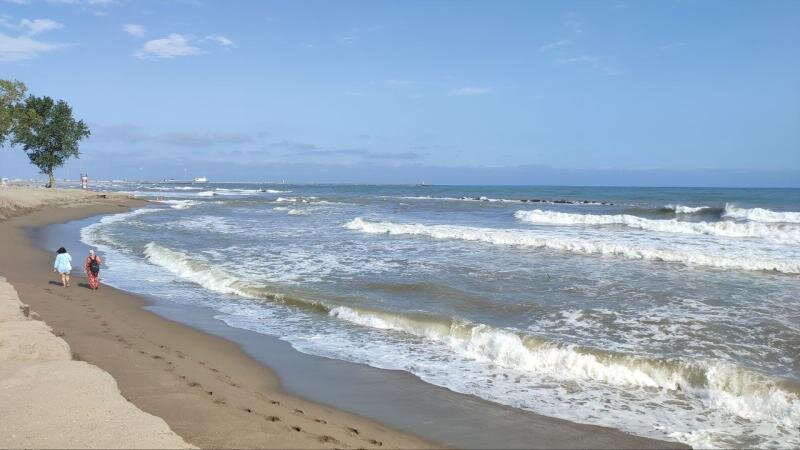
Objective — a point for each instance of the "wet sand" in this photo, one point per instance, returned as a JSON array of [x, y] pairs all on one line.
[[216, 394]]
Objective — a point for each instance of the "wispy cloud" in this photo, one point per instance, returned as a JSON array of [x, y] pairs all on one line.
[[354, 34], [132, 134], [472, 90], [177, 44], [578, 59], [37, 26], [169, 47], [134, 30], [31, 27], [294, 149], [26, 46], [554, 45], [563, 50], [221, 40], [23, 47]]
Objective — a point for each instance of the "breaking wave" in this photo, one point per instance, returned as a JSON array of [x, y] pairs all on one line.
[[779, 233], [760, 215], [526, 238], [204, 274], [93, 234], [734, 390], [179, 204], [681, 209], [510, 200]]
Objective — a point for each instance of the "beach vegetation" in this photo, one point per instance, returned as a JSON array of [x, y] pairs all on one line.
[[11, 95], [47, 132]]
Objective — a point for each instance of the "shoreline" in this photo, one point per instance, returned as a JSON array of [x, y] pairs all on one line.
[[224, 383]]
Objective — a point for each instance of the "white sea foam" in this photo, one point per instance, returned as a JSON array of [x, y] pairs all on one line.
[[775, 232], [297, 212], [725, 387], [526, 238], [505, 200], [682, 209], [180, 204], [206, 194], [96, 235], [187, 188], [760, 214], [194, 269]]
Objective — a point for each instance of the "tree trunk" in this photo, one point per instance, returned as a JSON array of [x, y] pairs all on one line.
[[51, 183]]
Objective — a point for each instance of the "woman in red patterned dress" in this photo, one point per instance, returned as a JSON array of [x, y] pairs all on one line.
[[92, 269]]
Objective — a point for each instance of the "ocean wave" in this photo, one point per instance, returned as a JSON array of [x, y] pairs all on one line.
[[94, 234], [727, 228], [526, 238], [735, 390], [682, 209], [179, 204], [760, 215], [206, 194], [511, 200], [203, 273]]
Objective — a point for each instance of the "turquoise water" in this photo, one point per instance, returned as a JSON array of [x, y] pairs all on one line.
[[671, 313]]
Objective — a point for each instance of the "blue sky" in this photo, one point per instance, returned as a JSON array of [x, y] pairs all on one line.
[[672, 92]]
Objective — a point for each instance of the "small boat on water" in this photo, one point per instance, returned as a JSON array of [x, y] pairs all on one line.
[[201, 180]]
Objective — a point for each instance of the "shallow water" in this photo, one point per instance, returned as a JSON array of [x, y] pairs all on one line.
[[670, 313]]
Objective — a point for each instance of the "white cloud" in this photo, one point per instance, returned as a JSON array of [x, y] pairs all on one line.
[[169, 47], [221, 40], [134, 29], [554, 45], [24, 47], [472, 90], [18, 2], [37, 26], [578, 59]]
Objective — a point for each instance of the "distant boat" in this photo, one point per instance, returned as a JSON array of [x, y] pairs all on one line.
[[201, 180], [423, 184]]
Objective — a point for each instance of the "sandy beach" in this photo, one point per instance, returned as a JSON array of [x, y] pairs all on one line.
[[209, 391]]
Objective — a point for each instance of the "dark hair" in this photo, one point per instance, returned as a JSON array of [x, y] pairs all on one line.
[[61, 250]]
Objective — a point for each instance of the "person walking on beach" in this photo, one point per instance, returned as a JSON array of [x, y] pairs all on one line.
[[63, 265], [92, 269]]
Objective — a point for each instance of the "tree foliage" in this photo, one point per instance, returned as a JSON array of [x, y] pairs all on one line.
[[48, 133], [11, 94]]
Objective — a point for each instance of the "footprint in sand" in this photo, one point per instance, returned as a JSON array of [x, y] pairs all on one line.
[[326, 438]]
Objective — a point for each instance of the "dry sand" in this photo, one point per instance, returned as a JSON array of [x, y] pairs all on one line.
[[205, 388], [47, 400]]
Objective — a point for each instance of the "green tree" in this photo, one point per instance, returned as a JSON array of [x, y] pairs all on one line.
[[11, 94], [49, 134]]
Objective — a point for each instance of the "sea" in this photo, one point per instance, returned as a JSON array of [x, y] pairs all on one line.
[[671, 313]]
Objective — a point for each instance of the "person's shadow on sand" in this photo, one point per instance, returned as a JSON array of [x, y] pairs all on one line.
[[58, 283]]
